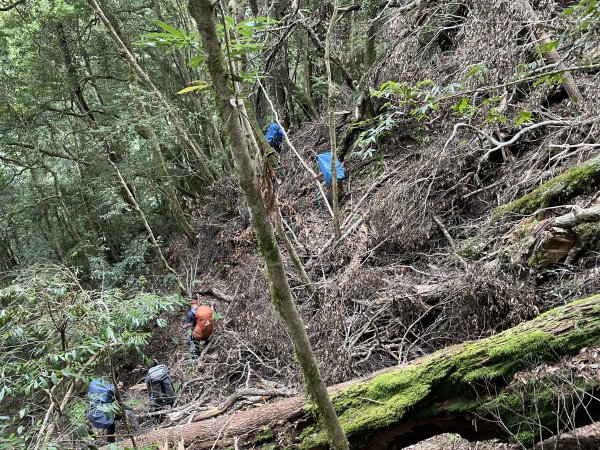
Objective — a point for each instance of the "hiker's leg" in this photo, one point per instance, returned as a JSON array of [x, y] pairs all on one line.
[[133, 420], [193, 349], [110, 433]]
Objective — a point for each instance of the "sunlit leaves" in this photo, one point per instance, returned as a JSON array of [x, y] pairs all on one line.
[[242, 40], [198, 86], [479, 69], [523, 117]]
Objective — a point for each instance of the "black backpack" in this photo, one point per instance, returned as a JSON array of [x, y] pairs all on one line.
[[160, 386]]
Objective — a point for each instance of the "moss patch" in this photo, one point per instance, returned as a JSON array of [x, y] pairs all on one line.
[[574, 181], [265, 435]]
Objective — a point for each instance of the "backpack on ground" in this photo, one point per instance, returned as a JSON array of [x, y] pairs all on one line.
[[160, 386], [100, 393], [204, 323]]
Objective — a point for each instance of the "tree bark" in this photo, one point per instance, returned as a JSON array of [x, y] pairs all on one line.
[[331, 115], [230, 108], [450, 391]]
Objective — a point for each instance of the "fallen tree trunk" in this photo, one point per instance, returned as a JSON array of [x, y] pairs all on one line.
[[229, 401], [447, 391], [572, 182]]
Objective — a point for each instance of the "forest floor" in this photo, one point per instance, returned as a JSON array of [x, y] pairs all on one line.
[[393, 290], [427, 260]]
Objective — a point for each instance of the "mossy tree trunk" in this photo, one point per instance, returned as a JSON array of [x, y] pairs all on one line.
[[452, 390], [231, 108], [572, 182]]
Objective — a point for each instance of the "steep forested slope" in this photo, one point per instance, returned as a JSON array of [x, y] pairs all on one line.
[[468, 132]]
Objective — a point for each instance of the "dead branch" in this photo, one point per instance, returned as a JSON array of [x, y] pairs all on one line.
[[289, 143], [12, 5], [578, 216], [217, 294], [229, 401], [552, 55]]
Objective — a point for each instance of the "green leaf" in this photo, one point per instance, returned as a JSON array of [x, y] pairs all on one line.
[[478, 69], [168, 28], [196, 61], [524, 117], [547, 47]]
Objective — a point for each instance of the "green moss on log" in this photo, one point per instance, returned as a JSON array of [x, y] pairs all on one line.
[[574, 181], [452, 373]]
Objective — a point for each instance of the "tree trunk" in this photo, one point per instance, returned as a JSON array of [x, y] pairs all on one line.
[[161, 167], [450, 391], [333, 58], [295, 258], [127, 54], [331, 115], [572, 182], [552, 55], [135, 205], [230, 108]]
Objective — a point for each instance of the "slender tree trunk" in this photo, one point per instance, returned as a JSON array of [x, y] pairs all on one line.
[[345, 73], [230, 107], [45, 224], [163, 174], [125, 51], [294, 257], [308, 73], [68, 218], [72, 76], [120, 401], [133, 202], [330, 112], [552, 55], [370, 55]]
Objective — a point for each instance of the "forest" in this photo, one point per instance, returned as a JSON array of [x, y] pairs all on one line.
[[390, 209]]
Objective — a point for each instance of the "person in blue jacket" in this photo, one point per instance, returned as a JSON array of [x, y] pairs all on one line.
[[103, 408], [324, 162], [274, 136]]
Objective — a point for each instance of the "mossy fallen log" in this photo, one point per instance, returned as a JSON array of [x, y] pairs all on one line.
[[574, 181], [444, 392]]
